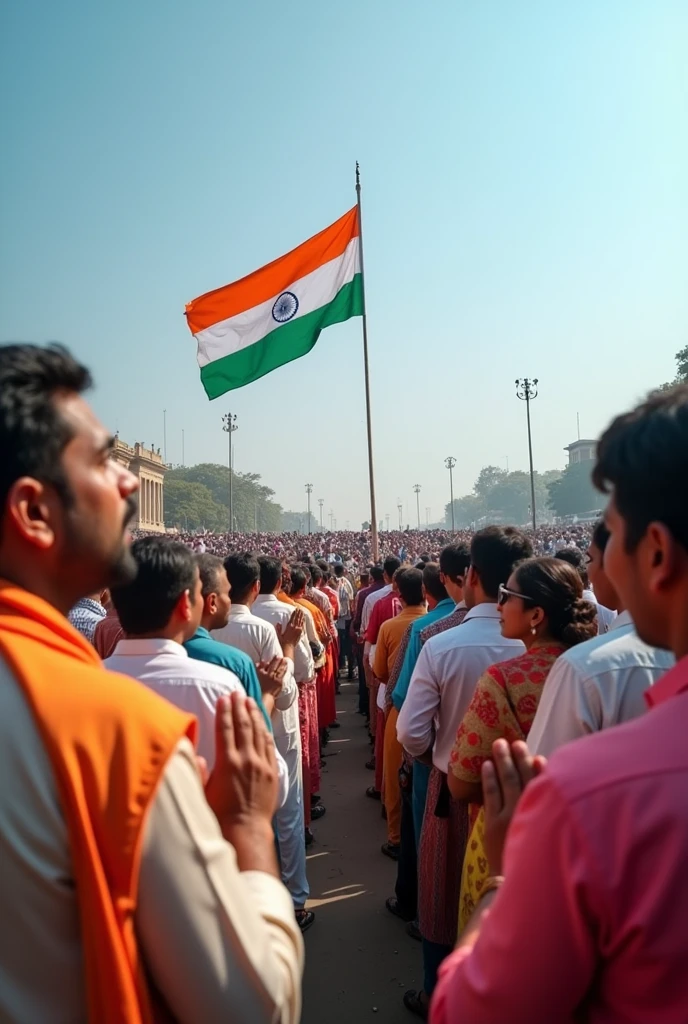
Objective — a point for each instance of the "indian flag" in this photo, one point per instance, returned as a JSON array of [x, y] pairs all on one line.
[[276, 314]]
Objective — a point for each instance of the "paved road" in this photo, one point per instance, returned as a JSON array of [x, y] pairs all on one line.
[[359, 960]]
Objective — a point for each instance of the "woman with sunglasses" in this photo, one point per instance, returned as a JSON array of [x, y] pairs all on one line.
[[541, 604]]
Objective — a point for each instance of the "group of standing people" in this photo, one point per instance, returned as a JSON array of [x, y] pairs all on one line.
[[527, 717]]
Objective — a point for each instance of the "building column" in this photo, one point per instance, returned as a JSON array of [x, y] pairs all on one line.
[[157, 502]]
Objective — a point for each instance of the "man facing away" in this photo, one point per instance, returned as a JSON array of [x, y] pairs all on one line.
[[587, 916], [124, 883], [259, 638], [441, 689]]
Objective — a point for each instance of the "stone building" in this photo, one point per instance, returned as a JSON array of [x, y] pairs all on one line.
[[148, 466], [581, 451]]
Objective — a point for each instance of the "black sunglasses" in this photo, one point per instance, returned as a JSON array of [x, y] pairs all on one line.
[[504, 594]]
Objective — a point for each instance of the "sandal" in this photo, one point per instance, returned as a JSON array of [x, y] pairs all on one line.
[[304, 919], [417, 1002], [373, 793]]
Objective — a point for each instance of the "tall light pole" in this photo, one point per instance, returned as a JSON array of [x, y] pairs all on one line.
[[229, 425], [450, 462], [321, 502], [416, 488], [331, 519], [400, 510], [527, 391], [309, 491], [387, 518]]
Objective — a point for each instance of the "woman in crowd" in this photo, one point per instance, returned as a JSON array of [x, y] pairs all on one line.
[[542, 604]]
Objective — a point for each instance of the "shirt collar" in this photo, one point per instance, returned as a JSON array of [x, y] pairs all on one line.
[[670, 685], [237, 610], [149, 646], [446, 602], [487, 610], [201, 633], [622, 619]]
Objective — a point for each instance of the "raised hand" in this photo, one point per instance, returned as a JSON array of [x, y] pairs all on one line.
[[292, 632], [271, 675], [504, 779], [242, 788]]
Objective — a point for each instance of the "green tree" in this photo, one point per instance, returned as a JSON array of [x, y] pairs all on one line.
[[252, 501], [190, 506], [681, 370], [466, 510], [573, 493], [488, 478]]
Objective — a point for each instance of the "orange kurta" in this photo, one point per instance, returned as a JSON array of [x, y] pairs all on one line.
[[108, 739]]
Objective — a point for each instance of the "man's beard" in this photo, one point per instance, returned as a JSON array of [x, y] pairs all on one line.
[[124, 568]]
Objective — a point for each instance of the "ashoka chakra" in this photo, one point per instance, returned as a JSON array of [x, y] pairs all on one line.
[[286, 306]]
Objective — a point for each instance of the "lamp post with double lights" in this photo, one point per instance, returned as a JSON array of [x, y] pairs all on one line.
[[309, 491], [450, 462], [229, 425], [416, 488], [527, 391]]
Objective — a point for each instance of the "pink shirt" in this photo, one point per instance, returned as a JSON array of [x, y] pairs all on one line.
[[386, 608], [591, 923]]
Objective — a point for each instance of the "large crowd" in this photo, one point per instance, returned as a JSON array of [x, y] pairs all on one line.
[[165, 703]]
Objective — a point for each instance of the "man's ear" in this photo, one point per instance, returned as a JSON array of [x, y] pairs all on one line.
[[33, 510], [182, 609]]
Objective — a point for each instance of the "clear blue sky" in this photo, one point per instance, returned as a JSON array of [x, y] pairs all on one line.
[[525, 212]]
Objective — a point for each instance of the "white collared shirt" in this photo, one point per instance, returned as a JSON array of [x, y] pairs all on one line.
[[605, 616], [271, 609], [595, 685], [165, 667], [258, 638], [370, 602], [444, 680]]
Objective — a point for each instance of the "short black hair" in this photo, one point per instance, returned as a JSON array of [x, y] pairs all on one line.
[[243, 571], [410, 585], [209, 567], [270, 573], [455, 560], [33, 434], [643, 457], [391, 564], [316, 573], [376, 573], [600, 535], [322, 564], [432, 582], [298, 579], [576, 558], [166, 568], [494, 553], [338, 569]]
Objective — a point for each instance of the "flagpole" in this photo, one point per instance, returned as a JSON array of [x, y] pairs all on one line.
[[373, 509]]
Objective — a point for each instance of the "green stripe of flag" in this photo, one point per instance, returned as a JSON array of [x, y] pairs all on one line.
[[287, 342]]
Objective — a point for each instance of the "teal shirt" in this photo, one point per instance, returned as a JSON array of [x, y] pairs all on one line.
[[440, 611], [202, 647]]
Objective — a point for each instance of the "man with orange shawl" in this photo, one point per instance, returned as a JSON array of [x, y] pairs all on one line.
[[127, 891]]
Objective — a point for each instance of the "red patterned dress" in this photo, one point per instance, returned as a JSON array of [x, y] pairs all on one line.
[[503, 707]]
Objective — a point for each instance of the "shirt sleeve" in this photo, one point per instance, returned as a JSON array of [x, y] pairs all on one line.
[[536, 949], [249, 678], [415, 723], [486, 720], [380, 662], [565, 711], [271, 648], [213, 937]]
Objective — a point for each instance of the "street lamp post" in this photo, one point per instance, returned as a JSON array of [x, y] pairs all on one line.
[[450, 462], [387, 518], [229, 425], [309, 491], [527, 391], [400, 510], [321, 502], [416, 488]]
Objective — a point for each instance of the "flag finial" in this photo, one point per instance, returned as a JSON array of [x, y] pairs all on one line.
[[358, 177]]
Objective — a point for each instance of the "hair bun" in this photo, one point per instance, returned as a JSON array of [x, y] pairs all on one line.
[[582, 623]]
